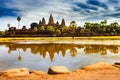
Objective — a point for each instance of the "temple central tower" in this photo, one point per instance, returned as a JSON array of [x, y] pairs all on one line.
[[51, 20]]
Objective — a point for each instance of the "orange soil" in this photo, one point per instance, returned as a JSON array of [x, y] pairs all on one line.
[[94, 73]]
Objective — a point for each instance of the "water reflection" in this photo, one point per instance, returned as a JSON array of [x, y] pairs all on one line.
[[19, 56], [102, 49], [43, 49]]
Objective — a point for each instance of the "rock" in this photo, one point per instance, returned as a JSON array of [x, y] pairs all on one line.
[[117, 63], [20, 72], [99, 66], [37, 72], [58, 70]]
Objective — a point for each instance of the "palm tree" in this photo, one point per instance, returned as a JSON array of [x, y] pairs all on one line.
[[73, 27], [115, 24], [103, 23], [73, 24], [8, 25], [18, 18], [103, 26]]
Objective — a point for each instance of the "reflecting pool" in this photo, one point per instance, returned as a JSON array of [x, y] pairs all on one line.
[[41, 56]]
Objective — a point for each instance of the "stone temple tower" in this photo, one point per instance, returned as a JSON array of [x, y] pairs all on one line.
[[43, 23], [62, 23], [51, 20]]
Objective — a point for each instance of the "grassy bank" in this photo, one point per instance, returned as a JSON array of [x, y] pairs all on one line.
[[57, 38], [100, 37], [32, 38]]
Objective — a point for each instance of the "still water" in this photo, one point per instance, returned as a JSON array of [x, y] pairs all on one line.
[[42, 56]]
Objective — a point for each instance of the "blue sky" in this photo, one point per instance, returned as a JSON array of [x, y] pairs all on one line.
[[79, 10]]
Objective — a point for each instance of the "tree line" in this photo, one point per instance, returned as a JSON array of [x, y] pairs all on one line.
[[89, 29]]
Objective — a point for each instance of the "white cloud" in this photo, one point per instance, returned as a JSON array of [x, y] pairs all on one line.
[[35, 13], [35, 10], [82, 1], [5, 20]]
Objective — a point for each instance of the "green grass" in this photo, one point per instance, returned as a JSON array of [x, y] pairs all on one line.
[[33, 38], [57, 38], [100, 37]]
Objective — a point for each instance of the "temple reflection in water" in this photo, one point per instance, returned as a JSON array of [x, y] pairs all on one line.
[[51, 49]]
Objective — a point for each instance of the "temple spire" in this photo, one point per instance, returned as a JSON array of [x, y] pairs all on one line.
[[43, 22], [63, 23], [51, 20], [40, 23], [57, 23]]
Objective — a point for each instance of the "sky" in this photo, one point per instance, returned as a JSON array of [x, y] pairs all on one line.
[[80, 11]]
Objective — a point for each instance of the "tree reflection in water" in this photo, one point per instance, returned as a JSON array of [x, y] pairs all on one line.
[[42, 49], [19, 56], [102, 49]]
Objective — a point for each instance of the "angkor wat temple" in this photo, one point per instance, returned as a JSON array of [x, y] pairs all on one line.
[[13, 31]]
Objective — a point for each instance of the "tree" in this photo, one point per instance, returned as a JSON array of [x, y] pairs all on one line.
[[73, 27], [2, 33], [113, 28], [88, 26], [73, 24], [18, 18], [51, 29], [118, 31], [95, 27], [58, 32], [115, 24], [8, 25], [24, 28], [42, 28], [82, 30], [34, 24], [35, 28], [103, 23], [6, 32], [65, 29]]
